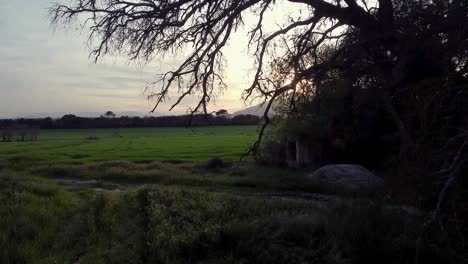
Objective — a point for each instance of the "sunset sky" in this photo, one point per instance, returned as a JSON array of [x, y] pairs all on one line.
[[44, 70]]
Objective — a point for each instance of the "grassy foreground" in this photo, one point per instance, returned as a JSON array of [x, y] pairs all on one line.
[[45, 223], [135, 144]]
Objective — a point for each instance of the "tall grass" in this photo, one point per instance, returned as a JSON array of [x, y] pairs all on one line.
[[240, 176], [43, 223]]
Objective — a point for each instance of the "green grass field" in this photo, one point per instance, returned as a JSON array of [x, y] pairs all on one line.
[[140, 156], [133, 144]]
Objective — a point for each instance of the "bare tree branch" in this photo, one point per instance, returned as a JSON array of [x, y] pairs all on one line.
[[361, 35]]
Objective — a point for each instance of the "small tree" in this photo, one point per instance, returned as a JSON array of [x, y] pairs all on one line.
[[109, 114], [221, 112]]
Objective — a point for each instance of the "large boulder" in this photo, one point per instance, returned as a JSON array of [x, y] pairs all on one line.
[[346, 178]]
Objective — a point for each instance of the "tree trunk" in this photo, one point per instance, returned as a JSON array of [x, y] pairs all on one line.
[[406, 141]]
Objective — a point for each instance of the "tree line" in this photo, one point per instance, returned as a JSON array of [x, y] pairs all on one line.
[[73, 122], [19, 132]]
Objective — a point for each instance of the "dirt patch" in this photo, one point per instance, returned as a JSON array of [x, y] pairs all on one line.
[[92, 184]]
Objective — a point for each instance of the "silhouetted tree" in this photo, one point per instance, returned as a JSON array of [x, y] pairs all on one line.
[[109, 114], [393, 42], [221, 112]]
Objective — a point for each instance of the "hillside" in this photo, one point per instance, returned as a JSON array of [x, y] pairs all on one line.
[[256, 110]]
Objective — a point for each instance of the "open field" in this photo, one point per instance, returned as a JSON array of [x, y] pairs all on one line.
[[135, 144], [159, 156]]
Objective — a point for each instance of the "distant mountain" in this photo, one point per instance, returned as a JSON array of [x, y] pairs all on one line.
[[256, 110]]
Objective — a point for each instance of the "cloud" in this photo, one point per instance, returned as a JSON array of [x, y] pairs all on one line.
[[42, 70]]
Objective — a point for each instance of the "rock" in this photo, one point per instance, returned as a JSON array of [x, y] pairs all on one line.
[[347, 178]]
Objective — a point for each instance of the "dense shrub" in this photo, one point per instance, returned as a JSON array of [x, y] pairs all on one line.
[[272, 151], [345, 124]]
